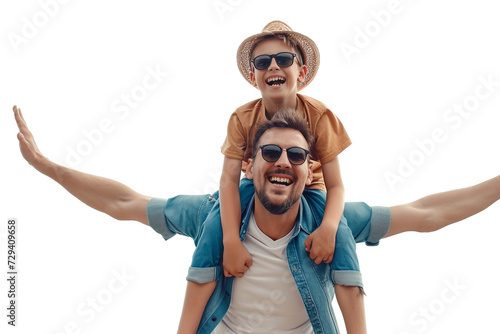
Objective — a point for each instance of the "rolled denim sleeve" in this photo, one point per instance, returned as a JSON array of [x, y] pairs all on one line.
[[345, 265], [156, 217]]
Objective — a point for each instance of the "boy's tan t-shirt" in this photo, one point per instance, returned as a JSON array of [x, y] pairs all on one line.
[[330, 137]]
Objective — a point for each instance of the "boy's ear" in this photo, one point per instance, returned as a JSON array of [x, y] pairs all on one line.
[[252, 79], [249, 172], [302, 73]]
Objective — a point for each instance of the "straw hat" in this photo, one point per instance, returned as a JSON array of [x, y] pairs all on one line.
[[309, 50]]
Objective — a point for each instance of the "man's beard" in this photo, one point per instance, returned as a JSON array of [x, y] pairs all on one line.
[[276, 209]]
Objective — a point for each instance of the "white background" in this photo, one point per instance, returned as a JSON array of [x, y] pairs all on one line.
[[395, 90]]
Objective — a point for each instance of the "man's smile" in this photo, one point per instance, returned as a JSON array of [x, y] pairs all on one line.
[[281, 178]]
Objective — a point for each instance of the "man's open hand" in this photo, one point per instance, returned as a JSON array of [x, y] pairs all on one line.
[[236, 260], [321, 245], [27, 144]]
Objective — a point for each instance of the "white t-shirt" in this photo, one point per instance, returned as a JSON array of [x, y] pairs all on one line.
[[265, 299]]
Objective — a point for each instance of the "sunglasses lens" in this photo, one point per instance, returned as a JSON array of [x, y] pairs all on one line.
[[262, 62], [296, 155], [284, 59], [271, 153]]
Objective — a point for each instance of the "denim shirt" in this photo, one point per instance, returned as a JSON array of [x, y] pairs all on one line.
[[314, 282]]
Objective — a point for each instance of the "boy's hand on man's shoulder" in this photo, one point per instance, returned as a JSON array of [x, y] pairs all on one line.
[[236, 259], [321, 244]]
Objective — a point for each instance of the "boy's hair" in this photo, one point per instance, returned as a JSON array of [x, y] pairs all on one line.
[[284, 38], [284, 118]]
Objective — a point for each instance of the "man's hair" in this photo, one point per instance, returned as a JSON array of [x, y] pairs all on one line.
[[282, 37], [284, 118]]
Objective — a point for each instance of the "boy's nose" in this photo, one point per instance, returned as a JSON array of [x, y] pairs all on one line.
[[274, 65]]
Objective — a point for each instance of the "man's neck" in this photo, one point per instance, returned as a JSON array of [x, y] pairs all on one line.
[[275, 226]]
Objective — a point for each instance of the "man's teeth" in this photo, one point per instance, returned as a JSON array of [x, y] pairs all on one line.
[[280, 180]]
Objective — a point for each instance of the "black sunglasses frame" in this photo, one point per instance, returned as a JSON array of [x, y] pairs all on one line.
[[262, 148], [275, 56]]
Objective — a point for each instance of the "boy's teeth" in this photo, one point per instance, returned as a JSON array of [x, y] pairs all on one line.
[[278, 81]]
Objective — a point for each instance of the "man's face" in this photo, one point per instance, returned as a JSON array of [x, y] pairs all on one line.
[[279, 184], [277, 82]]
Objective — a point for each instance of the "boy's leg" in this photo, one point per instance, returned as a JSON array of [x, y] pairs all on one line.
[[367, 224], [206, 264], [436, 211]]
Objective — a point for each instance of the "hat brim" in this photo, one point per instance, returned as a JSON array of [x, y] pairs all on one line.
[[308, 47]]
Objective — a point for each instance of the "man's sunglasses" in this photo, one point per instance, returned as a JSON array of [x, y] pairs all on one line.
[[283, 59], [272, 153]]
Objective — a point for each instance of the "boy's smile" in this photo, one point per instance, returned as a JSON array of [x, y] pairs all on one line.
[[278, 85], [275, 80]]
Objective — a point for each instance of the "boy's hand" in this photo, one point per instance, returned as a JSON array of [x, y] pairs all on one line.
[[29, 150], [321, 244], [236, 260]]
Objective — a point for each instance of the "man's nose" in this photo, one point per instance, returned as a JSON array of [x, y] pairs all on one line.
[[283, 161]]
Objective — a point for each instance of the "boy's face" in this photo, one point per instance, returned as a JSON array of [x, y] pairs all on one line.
[[289, 77]]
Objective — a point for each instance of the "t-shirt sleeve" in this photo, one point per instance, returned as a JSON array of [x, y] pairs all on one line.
[[331, 137], [235, 144]]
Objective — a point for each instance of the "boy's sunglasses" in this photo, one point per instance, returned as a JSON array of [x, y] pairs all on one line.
[[283, 59], [272, 153]]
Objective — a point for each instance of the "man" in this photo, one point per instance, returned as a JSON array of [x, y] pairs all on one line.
[[284, 291], [298, 299], [313, 282]]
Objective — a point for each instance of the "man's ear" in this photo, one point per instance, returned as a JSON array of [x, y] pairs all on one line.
[[309, 175], [249, 172], [252, 79], [302, 73]]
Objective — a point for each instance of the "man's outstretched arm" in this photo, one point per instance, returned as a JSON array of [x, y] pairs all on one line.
[[102, 194]]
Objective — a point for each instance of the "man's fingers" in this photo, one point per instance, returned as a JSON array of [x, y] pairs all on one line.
[[227, 273], [27, 136], [248, 262], [21, 138], [21, 123]]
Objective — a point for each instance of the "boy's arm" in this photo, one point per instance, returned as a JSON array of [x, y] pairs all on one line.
[[351, 303], [197, 296], [236, 260], [321, 243], [105, 195]]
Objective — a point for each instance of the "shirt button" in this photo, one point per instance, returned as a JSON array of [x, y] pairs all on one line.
[[214, 318]]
